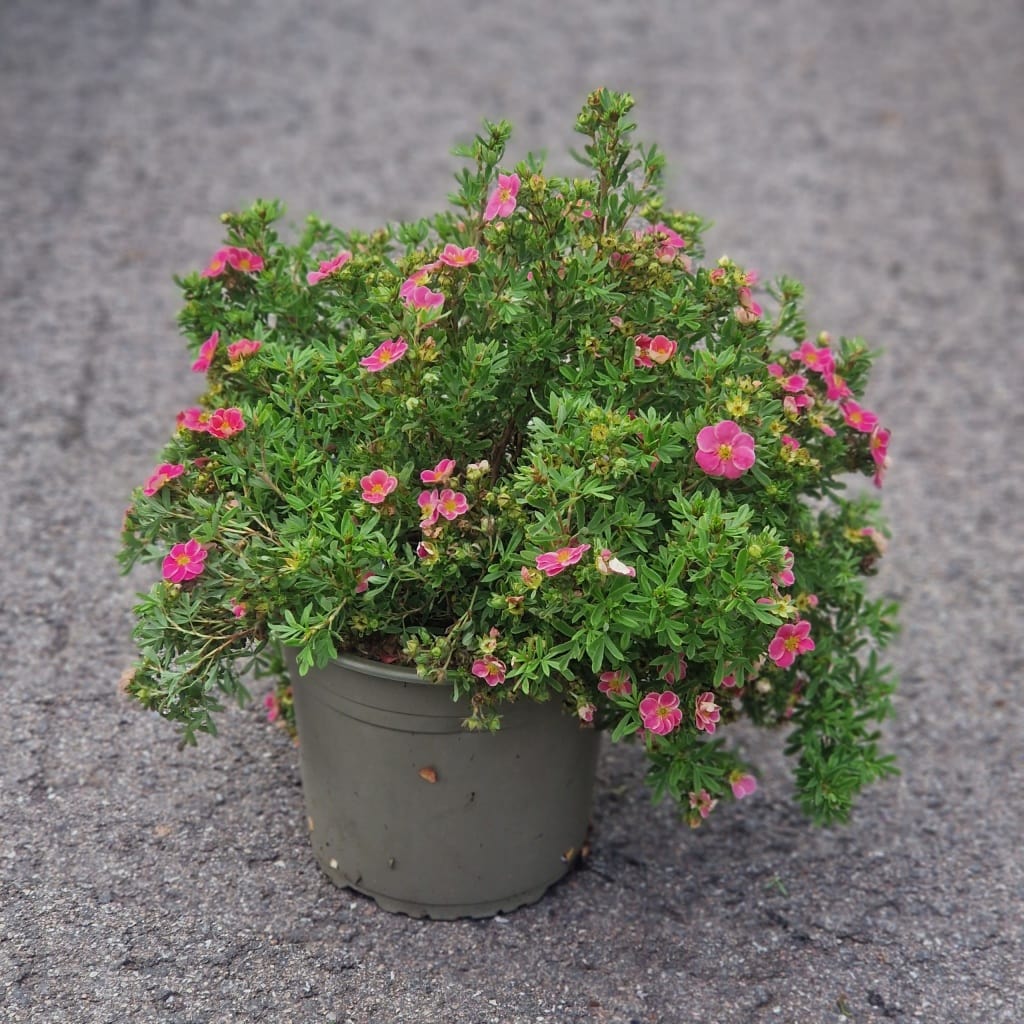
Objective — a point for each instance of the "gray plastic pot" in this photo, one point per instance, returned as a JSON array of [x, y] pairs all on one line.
[[428, 818]]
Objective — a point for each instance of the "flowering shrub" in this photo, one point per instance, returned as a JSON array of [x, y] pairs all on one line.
[[536, 448]]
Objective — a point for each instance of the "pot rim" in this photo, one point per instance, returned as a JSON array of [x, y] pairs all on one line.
[[381, 669]]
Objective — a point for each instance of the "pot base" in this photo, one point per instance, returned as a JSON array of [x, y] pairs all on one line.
[[439, 912], [425, 817]]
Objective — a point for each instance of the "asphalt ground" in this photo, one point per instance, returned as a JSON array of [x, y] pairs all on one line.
[[874, 150]]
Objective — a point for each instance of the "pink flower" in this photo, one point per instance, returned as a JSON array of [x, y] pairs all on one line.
[[702, 803], [553, 562], [426, 550], [184, 562], [363, 582], [225, 422], [428, 502], [748, 311], [328, 267], [642, 353], [452, 504], [206, 351], [614, 682], [669, 241], [661, 350], [742, 784], [706, 712], [820, 360], [502, 201], [649, 351], [243, 348], [416, 278], [232, 256], [586, 712], [244, 260], [607, 563], [238, 610], [785, 577], [792, 404], [794, 383], [660, 712], [790, 640], [384, 355], [453, 256], [421, 297], [377, 486], [790, 442], [272, 706], [490, 669], [879, 444], [728, 682], [440, 474], [194, 419], [217, 265], [724, 450], [836, 387], [858, 418], [164, 472], [409, 284]]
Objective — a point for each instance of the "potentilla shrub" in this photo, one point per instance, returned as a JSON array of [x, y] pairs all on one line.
[[538, 448]]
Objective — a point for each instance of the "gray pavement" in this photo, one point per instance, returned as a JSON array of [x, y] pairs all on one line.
[[873, 149]]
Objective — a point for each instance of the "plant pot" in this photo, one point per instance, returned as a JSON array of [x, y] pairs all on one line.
[[409, 807]]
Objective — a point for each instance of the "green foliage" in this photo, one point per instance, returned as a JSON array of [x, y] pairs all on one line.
[[579, 351]]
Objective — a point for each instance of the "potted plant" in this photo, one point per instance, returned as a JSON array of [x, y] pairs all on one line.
[[534, 455]]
